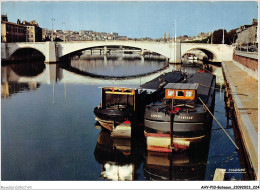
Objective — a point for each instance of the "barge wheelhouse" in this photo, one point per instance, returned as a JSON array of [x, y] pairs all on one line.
[[179, 120]]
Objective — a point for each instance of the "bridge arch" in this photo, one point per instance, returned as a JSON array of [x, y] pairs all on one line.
[[109, 47], [211, 54], [26, 49], [70, 47]]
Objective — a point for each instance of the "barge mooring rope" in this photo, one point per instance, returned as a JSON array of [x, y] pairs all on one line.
[[219, 124]]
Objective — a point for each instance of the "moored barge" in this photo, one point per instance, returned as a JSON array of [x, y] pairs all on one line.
[[179, 120], [123, 105], [117, 106]]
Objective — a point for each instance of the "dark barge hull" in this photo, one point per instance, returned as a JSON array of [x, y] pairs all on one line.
[[188, 128], [111, 118]]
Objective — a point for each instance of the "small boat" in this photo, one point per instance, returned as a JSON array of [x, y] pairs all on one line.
[[124, 105], [179, 120]]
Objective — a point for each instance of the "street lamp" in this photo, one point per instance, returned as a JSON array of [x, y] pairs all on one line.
[[175, 40], [64, 37], [52, 28], [223, 39], [212, 37], [175, 23]]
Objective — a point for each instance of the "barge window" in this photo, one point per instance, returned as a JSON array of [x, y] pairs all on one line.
[[180, 93], [108, 90], [170, 92], [117, 90], [189, 94], [115, 99], [127, 90]]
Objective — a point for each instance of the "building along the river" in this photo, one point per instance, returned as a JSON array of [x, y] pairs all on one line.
[[12, 32], [247, 34], [20, 31]]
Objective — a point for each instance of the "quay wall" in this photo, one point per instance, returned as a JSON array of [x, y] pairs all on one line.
[[247, 127], [247, 64], [246, 61]]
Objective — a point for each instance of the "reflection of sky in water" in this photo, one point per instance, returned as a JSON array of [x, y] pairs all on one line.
[[222, 153], [118, 173], [118, 67]]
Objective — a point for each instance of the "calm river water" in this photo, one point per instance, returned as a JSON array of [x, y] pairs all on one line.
[[49, 130]]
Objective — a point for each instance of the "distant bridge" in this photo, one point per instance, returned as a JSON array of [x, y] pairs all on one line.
[[53, 51]]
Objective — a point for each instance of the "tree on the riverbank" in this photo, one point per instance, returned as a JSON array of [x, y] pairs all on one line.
[[229, 37], [232, 36], [218, 36]]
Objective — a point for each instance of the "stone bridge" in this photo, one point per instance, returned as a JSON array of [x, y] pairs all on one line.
[[173, 51]]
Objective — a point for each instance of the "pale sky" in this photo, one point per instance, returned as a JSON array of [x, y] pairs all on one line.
[[135, 18]]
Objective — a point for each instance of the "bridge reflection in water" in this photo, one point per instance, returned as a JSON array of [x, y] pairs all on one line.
[[38, 72], [86, 72]]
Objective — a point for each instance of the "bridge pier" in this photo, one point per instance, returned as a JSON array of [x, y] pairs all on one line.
[[175, 53], [142, 51], [4, 52], [105, 50], [51, 52]]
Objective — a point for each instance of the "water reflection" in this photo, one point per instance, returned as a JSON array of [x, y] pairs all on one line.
[[200, 66], [29, 69], [87, 71], [117, 158], [118, 65], [10, 88], [96, 70], [223, 153], [185, 165], [30, 72]]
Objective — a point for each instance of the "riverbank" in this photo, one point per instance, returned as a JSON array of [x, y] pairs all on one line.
[[243, 92], [247, 61]]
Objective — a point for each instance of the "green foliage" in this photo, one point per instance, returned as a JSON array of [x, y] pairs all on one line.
[[229, 37], [58, 40], [232, 36], [218, 36], [204, 41]]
